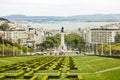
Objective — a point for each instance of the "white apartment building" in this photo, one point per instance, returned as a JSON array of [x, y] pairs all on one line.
[[35, 36], [17, 34], [99, 36], [103, 34]]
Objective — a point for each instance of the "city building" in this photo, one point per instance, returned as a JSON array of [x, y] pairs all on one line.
[[103, 34], [17, 35]]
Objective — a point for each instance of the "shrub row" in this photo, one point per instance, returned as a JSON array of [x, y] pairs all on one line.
[[14, 75], [59, 64], [35, 64], [28, 64], [71, 63], [36, 69], [2, 77], [3, 69], [78, 76], [28, 75], [45, 66], [34, 77], [57, 75]]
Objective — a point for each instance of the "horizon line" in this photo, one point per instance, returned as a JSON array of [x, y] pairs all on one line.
[[63, 15]]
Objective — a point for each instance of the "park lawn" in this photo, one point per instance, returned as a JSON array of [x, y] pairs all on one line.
[[88, 66], [11, 60], [108, 75], [91, 64]]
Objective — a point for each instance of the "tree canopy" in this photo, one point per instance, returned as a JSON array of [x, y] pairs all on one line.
[[4, 26], [75, 41], [71, 40], [117, 38]]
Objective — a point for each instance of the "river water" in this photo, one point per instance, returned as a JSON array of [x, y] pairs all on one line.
[[66, 24]]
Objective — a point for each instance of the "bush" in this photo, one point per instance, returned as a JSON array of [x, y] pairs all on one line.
[[71, 76], [2, 77], [36, 69], [34, 77], [28, 75], [3, 69], [58, 74], [46, 77], [14, 75], [79, 76]]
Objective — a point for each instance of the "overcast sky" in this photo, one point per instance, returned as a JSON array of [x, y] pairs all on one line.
[[58, 7]]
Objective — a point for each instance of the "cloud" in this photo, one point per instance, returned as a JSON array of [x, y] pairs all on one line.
[[58, 7]]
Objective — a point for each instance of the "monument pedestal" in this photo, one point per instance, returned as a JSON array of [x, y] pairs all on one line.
[[62, 47]]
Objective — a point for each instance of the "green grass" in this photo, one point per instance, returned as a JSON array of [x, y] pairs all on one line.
[[11, 60], [88, 66], [91, 64], [109, 75]]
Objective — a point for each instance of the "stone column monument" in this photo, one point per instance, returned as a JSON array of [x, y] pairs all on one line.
[[62, 46]]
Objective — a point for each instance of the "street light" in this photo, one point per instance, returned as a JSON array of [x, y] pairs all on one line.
[[3, 52], [110, 48], [21, 50], [102, 48], [110, 44]]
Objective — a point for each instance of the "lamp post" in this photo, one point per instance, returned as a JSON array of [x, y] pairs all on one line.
[[110, 48], [13, 49], [102, 48], [102, 44], [3, 52], [21, 50], [85, 40], [110, 53], [3, 49]]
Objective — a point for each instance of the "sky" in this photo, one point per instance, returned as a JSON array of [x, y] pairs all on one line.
[[58, 7]]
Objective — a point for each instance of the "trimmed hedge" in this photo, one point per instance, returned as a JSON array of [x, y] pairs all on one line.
[[36, 69], [79, 76], [15, 75], [3, 69], [59, 64], [71, 63], [58, 74], [46, 77], [28, 75], [2, 77], [34, 77]]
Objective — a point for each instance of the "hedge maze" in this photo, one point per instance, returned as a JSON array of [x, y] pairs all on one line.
[[34, 69]]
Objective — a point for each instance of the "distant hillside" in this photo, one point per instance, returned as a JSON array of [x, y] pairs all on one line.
[[89, 18], [3, 19]]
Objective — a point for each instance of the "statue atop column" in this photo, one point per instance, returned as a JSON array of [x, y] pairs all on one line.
[[62, 47], [62, 29]]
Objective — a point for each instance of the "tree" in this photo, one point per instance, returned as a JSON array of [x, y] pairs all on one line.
[[25, 49], [19, 41], [117, 38], [74, 41], [4, 26], [106, 48], [51, 42]]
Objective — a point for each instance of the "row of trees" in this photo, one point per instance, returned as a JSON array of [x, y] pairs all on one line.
[[71, 40], [12, 49], [113, 48], [7, 47]]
